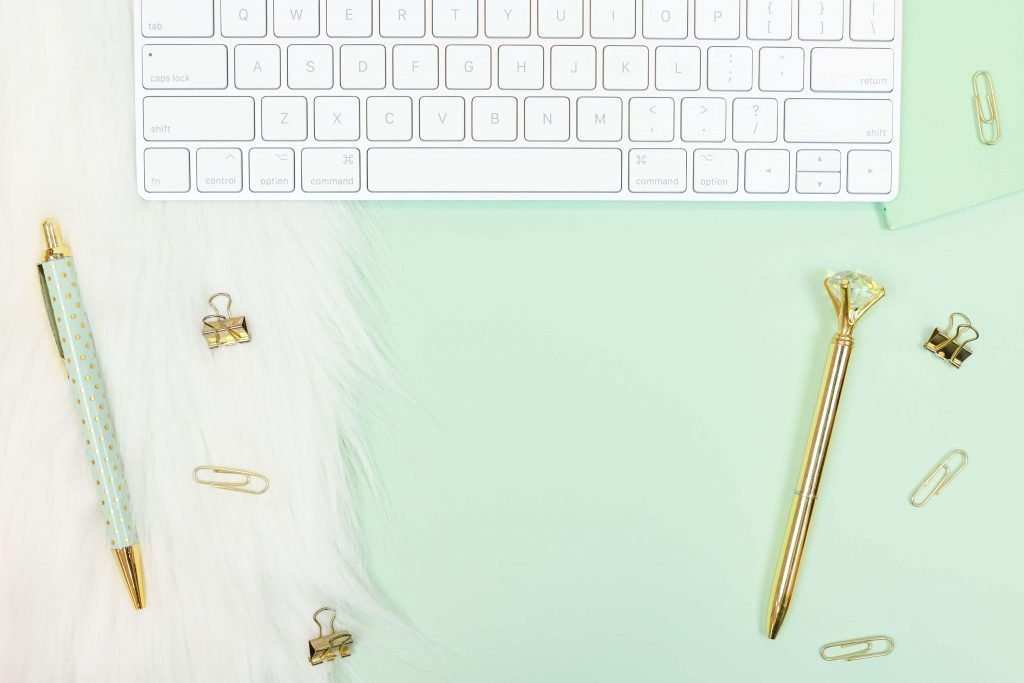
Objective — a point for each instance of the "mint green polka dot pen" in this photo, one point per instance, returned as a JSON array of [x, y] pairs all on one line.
[[71, 331]]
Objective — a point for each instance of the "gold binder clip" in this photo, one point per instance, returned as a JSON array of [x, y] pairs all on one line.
[[948, 474], [952, 348], [989, 128], [866, 651], [224, 330], [241, 485], [328, 648]]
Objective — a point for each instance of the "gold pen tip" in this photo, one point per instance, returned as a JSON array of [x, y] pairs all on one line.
[[774, 623], [129, 561]]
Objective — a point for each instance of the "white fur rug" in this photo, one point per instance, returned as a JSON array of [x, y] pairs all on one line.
[[232, 579]]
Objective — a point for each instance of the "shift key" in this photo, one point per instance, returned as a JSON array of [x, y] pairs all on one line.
[[838, 121], [206, 119]]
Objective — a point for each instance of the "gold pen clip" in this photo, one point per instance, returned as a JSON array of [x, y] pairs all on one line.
[[55, 249], [989, 128], [328, 648], [866, 651], [948, 346], [242, 485], [948, 473], [224, 329]]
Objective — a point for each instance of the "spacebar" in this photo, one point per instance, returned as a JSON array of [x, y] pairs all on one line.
[[493, 169]]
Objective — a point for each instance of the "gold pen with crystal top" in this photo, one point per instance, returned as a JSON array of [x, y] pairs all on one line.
[[71, 331], [852, 295]]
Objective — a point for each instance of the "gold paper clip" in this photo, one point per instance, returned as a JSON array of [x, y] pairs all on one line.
[[939, 343], [989, 128], [328, 648], [224, 330], [948, 475], [241, 485], [866, 652]]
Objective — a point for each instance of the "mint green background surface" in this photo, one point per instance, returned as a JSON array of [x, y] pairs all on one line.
[[939, 120], [605, 408], [606, 411]]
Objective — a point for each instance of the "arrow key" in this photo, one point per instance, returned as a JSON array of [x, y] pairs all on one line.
[[817, 183], [766, 171], [869, 172], [819, 160]]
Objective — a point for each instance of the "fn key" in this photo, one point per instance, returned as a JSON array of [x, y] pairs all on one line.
[[166, 170]]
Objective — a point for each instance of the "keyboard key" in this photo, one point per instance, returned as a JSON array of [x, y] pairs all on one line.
[[336, 118], [349, 18], [272, 170], [177, 18], [402, 19], [243, 18], [821, 19], [546, 119], [560, 18], [819, 160], [755, 120], [781, 69], [823, 160], [455, 18], [167, 170], [389, 118], [770, 19], [442, 119], [330, 170], [657, 170], [766, 171], [664, 19], [414, 67], [284, 118], [869, 172], [851, 69], [257, 67], [520, 67], [219, 170], [573, 67], [625, 67], [838, 120], [717, 19], [468, 67], [296, 18], [703, 119], [677, 68], [715, 171], [310, 67], [652, 119], [507, 18], [872, 19], [361, 67], [730, 68], [497, 170], [195, 67], [494, 119], [808, 182], [198, 118], [612, 19], [599, 119]]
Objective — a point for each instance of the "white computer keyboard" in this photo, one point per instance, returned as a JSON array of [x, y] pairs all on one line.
[[550, 99]]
